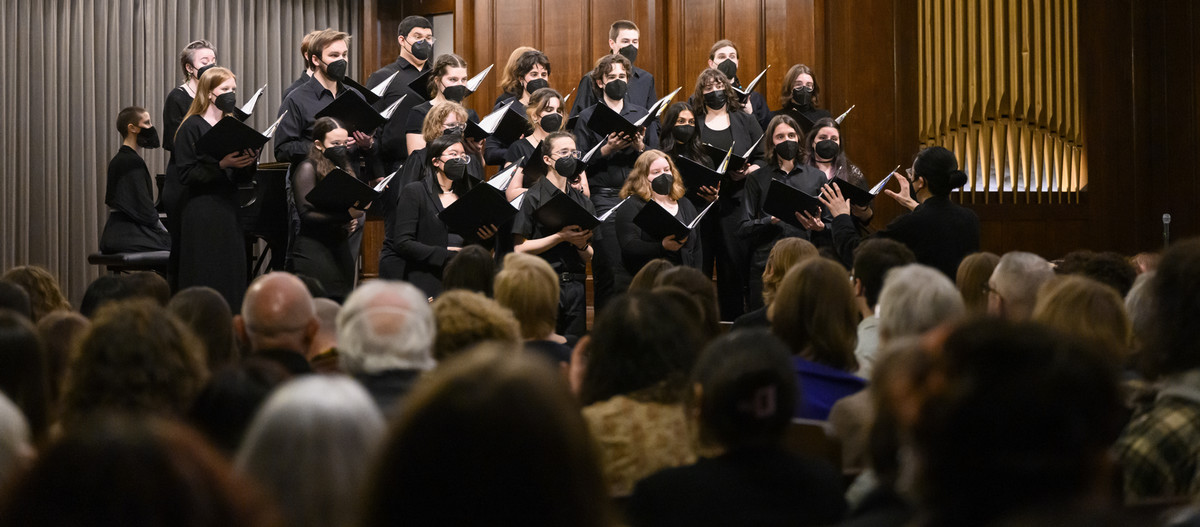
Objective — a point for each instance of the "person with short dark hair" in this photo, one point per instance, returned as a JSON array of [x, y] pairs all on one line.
[[207, 313], [133, 224], [278, 321], [60, 333], [14, 298], [415, 36], [872, 261], [746, 392], [623, 40], [224, 407], [699, 288], [472, 269], [1108, 268]]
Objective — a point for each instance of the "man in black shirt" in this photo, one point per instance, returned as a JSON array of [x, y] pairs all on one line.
[[416, 48], [308, 69], [622, 40], [328, 55]]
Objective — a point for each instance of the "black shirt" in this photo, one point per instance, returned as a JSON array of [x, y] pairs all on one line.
[[940, 233], [638, 247], [293, 137], [494, 150], [756, 226], [641, 91], [564, 258], [178, 102], [522, 149], [611, 171], [803, 116], [394, 149], [133, 224], [304, 76], [722, 139]]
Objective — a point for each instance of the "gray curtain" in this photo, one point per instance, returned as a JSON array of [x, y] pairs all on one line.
[[69, 66]]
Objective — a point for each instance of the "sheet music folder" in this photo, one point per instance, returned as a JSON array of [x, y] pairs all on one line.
[[562, 211], [659, 223], [784, 201], [340, 190]]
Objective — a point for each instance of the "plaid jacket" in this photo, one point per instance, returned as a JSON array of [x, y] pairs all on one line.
[[1159, 450]]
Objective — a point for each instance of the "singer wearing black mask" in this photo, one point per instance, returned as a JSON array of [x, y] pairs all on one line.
[[415, 36], [448, 82], [799, 98], [321, 248], [421, 237], [654, 177], [823, 150], [328, 53], [722, 123], [530, 73], [781, 148], [133, 224], [724, 57], [623, 40], [544, 114], [207, 244]]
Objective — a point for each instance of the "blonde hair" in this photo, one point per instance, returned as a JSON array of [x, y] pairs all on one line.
[[44, 294], [466, 318], [538, 103], [431, 128], [638, 184], [529, 287], [786, 253], [320, 40], [1085, 308], [509, 79]]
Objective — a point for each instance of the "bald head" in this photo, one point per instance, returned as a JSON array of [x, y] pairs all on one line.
[[1014, 285], [278, 313]]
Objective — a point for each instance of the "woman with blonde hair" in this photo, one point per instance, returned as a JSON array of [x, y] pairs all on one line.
[[528, 286], [654, 178], [44, 294], [1087, 309], [786, 253]]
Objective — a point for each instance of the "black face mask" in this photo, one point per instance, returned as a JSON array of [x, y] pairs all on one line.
[[535, 85], [338, 154], [421, 50], [455, 168], [148, 138], [566, 166], [629, 52], [802, 96], [456, 93], [455, 130], [551, 122], [715, 99], [728, 67], [827, 149], [226, 102], [200, 72], [336, 70], [787, 150], [616, 89], [683, 132], [663, 183]]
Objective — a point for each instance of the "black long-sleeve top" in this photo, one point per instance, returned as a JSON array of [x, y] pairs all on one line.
[[394, 149], [639, 247], [293, 137], [940, 233], [756, 227], [494, 149], [199, 172], [641, 91], [178, 102], [564, 258], [133, 224], [612, 170]]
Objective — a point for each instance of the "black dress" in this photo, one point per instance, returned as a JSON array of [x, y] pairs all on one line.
[[133, 224], [638, 247], [420, 237], [321, 249], [178, 102], [207, 236]]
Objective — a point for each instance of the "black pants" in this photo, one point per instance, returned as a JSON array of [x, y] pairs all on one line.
[[608, 272], [572, 309]]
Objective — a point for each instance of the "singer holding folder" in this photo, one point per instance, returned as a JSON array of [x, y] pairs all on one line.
[[421, 239], [447, 82], [207, 247], [655, 178]]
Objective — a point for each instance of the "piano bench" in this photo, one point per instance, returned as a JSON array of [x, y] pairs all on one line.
[[128, 262]]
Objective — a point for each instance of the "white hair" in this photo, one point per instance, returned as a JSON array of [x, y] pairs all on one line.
[[311, 445], [915, 299], [15, 447], [386, 325], [1018, 277]]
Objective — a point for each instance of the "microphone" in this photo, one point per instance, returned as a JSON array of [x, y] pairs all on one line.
[[1166, 230]]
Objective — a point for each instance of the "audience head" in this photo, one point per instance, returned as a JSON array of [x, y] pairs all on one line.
[[784, 255], [385, 325], [311, 445], [642, 345], [1108, 268], [127, 471], [194, 57], [14, 298], [116, 287], [467, 318], [277, 314], [136, 358], [702, 291], [448, 118], [59, 332], [746, 388], [915, 299], [472, 269], [1088, 310], [16, 444], [23, 371], [972, 278], [1172, 343], [872, 261], [1014, 284], [528, 287], [897, 384], [1145, 262], [800, 88], [42, 288], [499, 417], [1021, 423], [644, 280], [326, 338], [207, 314], [224, 407], [814, 314], [1139, 307]]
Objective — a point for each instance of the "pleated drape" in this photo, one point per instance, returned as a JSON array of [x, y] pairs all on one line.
[[68, 67]]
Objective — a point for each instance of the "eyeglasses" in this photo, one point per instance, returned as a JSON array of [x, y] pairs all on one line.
[[465, 157], [568, 153], [430, 40]]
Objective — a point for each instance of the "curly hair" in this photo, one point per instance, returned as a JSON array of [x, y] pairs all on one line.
[[465, 318], [44, 294], [136, 357]]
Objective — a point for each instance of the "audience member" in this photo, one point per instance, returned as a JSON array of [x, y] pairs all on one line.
[[278, 320], [151, 285], [114, 287], [60, 332], [1138, 306], [385, 339], [224, 407], [813, 313], [1145, 262], [310, 447], [207, 313], [23, 371], [1089, 310], [635, 377], [1108, 268], [643, 281], [472, 269], [13, 297], [322, 353], [1159, 447], [1013, 286], [135, 358], [16, 444], [466, 318], [491, 437], [123, 471], [786, 253], [528, 287], [42, 288], [745, 398], [702, 290], [873, 259], [972, 279]]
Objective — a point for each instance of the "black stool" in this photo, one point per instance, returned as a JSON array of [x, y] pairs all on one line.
[[129, 262]]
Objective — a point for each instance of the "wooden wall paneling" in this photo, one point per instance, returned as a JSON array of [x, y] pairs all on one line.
[[1179, 111], [562, 40], [790, 30], [741, 22], [699, 26]]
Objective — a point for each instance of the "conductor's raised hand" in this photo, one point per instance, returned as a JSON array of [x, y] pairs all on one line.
[[902, 197], [832, 199]]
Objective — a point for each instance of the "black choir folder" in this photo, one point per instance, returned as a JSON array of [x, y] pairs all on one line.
[[355, 114], [562, 211], [485, 204], [659, 223], [340, 190], [726, 160], [861, 197], [605, 120], [784, 201], [696, 175], [504, 124], [231, 135]]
